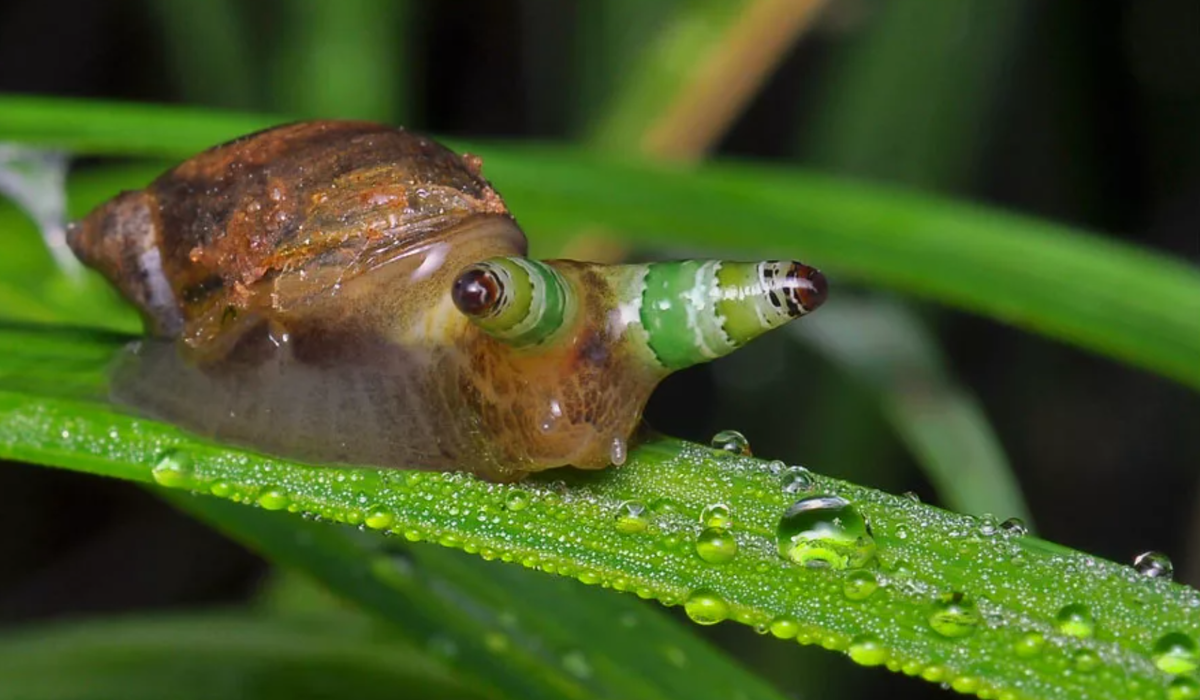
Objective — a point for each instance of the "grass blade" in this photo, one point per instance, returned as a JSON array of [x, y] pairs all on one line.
[[578, 525]]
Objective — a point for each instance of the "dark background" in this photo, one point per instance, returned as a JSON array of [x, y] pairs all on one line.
[[1091, 117]]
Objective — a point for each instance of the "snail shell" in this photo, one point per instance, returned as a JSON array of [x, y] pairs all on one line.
[[347, 293]]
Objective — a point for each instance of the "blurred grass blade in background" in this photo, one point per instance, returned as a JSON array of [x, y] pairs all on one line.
[[210, 655], [1133, 304]]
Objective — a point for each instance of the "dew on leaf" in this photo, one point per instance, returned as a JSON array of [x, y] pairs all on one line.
[[859, 585], [379, 519], [1075, 620], [1175, 652], [273, 499], [1014, 526], [824, 532], [1085, 660], [516, 500], [1154, 565], [796, 480], [716, 545], [866, 649], [631, 518], [1183, 688], [784, 628], [732, 442], [716, 515], [1029, 645], [954, 615], [706, 607], [173, 470]]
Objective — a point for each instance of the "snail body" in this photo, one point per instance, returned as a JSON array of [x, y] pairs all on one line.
[[346, 293]]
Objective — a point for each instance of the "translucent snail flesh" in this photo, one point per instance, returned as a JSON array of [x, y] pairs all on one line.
[[347, 293]]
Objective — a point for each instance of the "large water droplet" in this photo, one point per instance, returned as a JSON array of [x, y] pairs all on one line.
[[706, 608], [1076, 620], [1029, 645], [825, 531], [867, 650], [784, 628], [1154, 565], [1085, 660], [1014, 526], [796, 480], [631, 517], [954, 615], [1175, 652], [859, 585], [516, 499], [174, 470], [716, 515], [379, 519], [273, 499], [716, 545], [732, 442], [1183, 688]]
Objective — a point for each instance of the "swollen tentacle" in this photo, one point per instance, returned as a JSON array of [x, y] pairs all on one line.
[[695, 311]]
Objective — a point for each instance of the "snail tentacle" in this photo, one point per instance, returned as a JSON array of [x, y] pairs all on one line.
[[695, 311]]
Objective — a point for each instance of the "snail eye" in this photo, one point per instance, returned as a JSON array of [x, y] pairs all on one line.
[[476, 291], [520, 302]]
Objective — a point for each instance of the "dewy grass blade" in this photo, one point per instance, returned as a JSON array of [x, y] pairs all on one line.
[[948, 597]]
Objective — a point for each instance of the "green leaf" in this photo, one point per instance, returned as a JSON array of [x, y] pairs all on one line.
[[590, 526], [215, 655], [1113, 298], [528, 635]]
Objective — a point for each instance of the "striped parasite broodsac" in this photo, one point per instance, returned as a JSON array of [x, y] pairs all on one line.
[[346, 293]]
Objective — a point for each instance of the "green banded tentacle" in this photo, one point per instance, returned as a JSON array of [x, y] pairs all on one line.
[[532, 300], [695, 311]]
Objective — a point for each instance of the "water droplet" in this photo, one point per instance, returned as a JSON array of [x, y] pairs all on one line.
[[664, 506], [716, 515], [1014, 526], [273, 499], [825, 532], [517, 499], [174, 470], [706, 608], [1154, 565], [1029, 645], [954, 615], [987, 525], [631, 517], [784, 628], [732, 442], [1076, 620], [859, 585], [716, 545], [618, 451], [1175, 652], [576, 664], [866, 649], [379, 519], [1085, 660], [1183, 688], [796, 480], [912, 496]]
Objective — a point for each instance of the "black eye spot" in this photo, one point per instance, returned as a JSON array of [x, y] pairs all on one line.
[[476, 292]]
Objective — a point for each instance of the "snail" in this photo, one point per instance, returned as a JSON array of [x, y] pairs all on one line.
[[351, 294]]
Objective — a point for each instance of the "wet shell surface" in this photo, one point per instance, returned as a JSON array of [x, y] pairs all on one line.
[[347, 293]]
